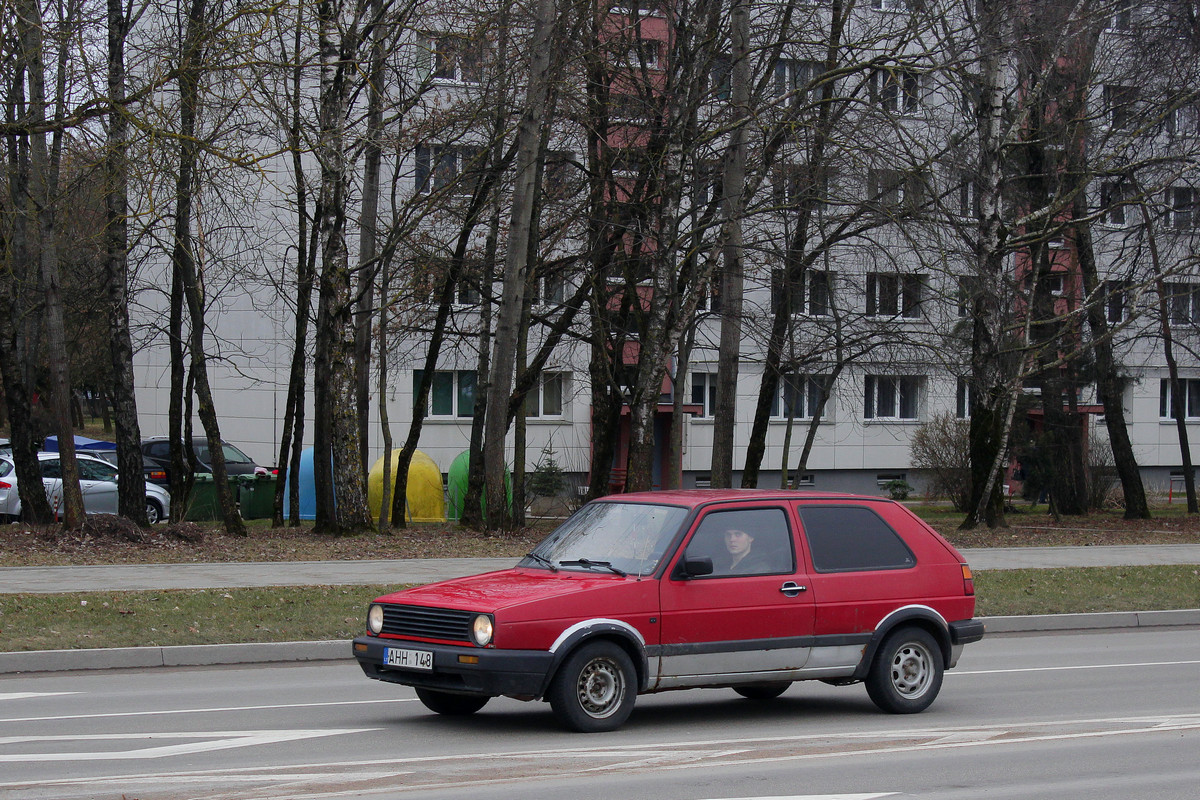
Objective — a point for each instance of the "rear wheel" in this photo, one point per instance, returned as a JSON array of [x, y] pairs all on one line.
[[453, 705], [906, 675], [763, 691], [595, 688]]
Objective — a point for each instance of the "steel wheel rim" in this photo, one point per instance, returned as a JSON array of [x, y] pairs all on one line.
[[601, 688], [912, 670]]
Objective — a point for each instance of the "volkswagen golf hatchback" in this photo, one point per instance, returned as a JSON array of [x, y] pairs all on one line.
[[642, 593]]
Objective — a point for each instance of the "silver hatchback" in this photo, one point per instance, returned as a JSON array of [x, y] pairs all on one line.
[[97, 480]]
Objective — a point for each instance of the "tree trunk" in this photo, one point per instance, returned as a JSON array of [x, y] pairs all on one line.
[[732, 278], [184, 260], [131, 489], [337, 459], [529, 139], [43, 180]]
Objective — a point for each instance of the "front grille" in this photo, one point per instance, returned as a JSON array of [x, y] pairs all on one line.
[[427, 623]]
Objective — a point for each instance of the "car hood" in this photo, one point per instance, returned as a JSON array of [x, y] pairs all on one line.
[[493, 591]]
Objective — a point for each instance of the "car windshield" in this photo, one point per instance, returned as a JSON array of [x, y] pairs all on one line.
[[611, 537]]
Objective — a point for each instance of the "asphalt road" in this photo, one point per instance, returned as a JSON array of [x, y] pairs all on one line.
[[1098, 715]]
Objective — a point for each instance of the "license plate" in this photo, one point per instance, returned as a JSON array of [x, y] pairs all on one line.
[[407, 659]]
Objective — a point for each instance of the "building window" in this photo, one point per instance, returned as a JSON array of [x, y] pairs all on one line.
[[1184, 120], [456, 58], [898, 91], [1181, 204], [720, 78], [545, 400], [798, 396], [812, 295], [794, 78], [704, 393], [892, 295], [639, 53], [1119, 105], [440, 166], [891, 397], [1122, 19], [962, 399], [1115, 300], [890, 5], [895, 190], [1184, 302], [1113, 197], [452, 394], [1189, 388], [549, 290]]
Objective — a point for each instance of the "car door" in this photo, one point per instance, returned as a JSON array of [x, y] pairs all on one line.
[[736, 624], [52, 481], [98, 482]]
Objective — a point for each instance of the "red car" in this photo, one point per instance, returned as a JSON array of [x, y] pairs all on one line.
[[640, 593]]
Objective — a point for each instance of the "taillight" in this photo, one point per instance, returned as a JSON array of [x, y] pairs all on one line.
[[968, 580], [5, 485], [156, 475]]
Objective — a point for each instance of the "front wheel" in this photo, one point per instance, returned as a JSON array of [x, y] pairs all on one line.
[[906, 675], [453, 705], [154, 512], [595, 688]]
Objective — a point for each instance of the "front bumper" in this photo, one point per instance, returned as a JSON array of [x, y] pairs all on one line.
[[516, 673]]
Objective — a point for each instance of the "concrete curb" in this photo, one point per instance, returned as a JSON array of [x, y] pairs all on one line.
[[207, 655]]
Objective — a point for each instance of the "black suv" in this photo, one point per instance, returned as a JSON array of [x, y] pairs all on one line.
[[158, 450]]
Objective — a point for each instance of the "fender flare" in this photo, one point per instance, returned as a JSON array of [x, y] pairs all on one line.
[[923, 616], [629, 637]]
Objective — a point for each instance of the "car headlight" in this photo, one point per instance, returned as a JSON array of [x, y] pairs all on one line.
[[375, 619], [481, 629]]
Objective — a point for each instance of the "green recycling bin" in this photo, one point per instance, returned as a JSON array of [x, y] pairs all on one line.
[[203, 505], [256, 494]]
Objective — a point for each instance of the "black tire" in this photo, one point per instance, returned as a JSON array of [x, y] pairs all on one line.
[[594, 689], [154, 512], [452, 705], [763, 691], [906, 675]]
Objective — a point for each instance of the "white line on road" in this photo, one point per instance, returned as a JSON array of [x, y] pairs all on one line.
[[214, 710], [209, 741], [27, 695], [1068, 668]]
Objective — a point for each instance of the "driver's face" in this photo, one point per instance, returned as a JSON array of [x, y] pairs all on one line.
[[737, 541]]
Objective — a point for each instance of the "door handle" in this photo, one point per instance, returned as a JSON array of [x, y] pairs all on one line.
[[791, 588]]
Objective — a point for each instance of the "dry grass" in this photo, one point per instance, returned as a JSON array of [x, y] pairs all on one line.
[[110, 540]]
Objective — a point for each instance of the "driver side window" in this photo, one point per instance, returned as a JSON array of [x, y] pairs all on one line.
[[754, 541]]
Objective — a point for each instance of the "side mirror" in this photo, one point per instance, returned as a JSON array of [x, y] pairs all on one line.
[[695, 566]]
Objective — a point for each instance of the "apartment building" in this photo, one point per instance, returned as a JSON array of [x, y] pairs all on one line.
[[858, 229]]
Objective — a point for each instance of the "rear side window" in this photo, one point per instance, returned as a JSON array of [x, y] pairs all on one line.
[[853, 538]]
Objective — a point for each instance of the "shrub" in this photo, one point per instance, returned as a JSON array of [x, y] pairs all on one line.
[[942, 448]]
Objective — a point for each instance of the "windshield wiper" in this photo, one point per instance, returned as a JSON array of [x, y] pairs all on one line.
[[587, 562], [543, 561]]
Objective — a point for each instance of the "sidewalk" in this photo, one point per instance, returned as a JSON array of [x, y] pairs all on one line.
[[134, 577]]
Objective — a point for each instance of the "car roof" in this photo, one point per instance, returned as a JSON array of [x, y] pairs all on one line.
[[693, 498]]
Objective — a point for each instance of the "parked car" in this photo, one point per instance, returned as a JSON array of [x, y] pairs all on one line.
[[97, 480], [648, 592], [157, 449]]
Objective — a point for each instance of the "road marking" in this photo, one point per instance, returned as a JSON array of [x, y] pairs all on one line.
[[312, 781], [1069, 668], [208, 741], [26, 695], [214, 710]]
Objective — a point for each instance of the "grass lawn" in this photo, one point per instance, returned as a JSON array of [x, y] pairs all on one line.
[[307, 613]]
